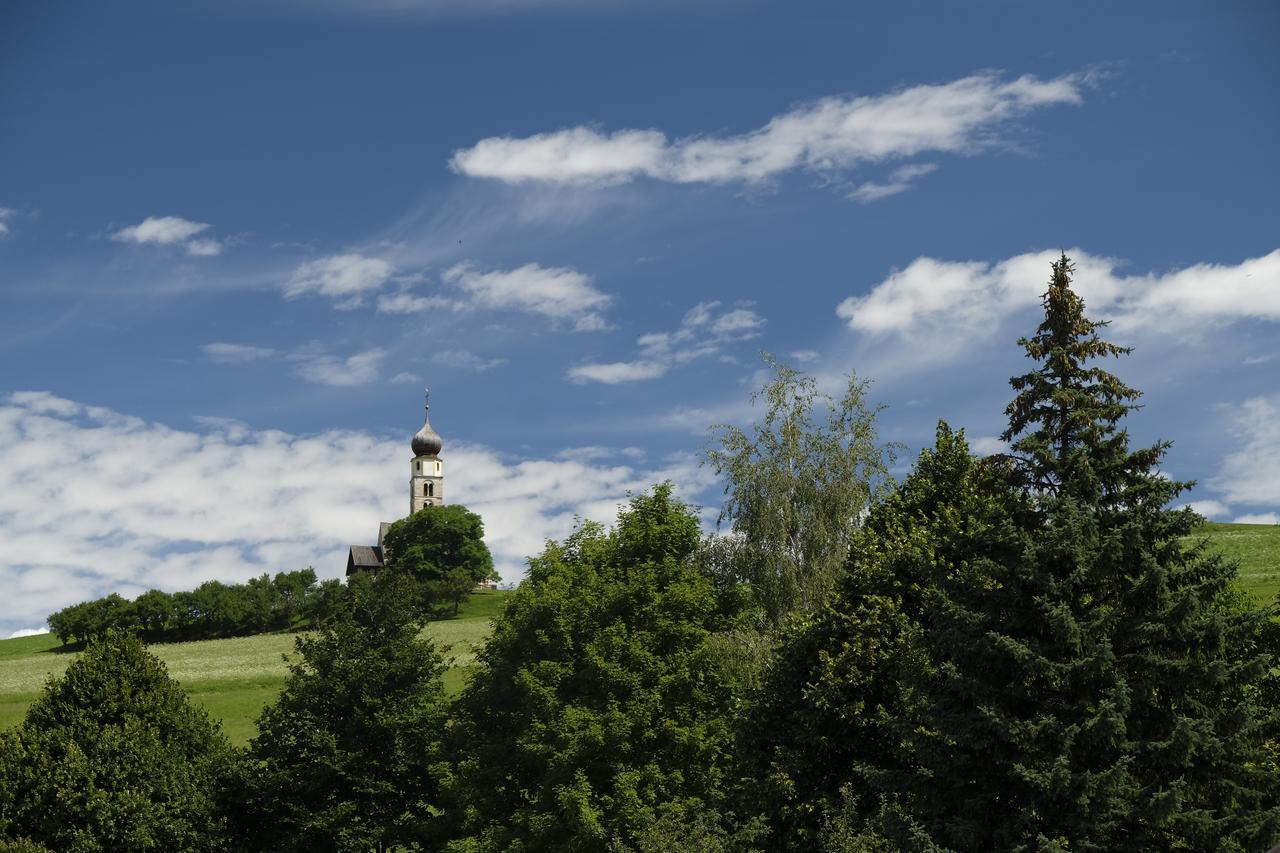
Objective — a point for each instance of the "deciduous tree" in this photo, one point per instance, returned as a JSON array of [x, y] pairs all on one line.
[[112, 756], [796, 487], [347, 758], [598, 700]]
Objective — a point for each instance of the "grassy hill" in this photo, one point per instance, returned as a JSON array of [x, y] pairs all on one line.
[[1256, 547], [232, 678], [235, 678]]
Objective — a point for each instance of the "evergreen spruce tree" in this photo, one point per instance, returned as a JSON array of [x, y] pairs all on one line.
[[1025, 655], [1141, 628]]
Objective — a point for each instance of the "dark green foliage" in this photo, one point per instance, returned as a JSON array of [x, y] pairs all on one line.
[[112, 756], [347, 758], [598, 709], [838, 711], [795, 489], [1025, 655], [210, 611], [443, 548]]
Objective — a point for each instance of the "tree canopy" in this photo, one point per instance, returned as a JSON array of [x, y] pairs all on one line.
[[598, 703], [442, 547], [347, 757]]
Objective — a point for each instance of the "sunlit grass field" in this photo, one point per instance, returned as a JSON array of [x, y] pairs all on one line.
[[233, 679], [1256, 547]]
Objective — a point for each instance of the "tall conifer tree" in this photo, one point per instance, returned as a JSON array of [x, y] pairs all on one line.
[[1050, 666]]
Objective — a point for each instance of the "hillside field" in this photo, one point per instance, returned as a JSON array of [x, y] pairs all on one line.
[[232, 678], [235, 678]]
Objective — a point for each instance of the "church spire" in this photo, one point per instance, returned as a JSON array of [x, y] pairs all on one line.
[[427, 442], [426, 480]]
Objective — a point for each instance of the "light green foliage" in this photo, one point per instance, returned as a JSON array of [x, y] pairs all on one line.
[[796, 487], [597, 700], [345, 758], [113, 756]]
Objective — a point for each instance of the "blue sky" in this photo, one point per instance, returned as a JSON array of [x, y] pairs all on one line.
[[236, 240]]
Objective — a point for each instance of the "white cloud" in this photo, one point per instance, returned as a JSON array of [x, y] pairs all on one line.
[[160, 231], [559, 293], [805, 356], [900, 180], [93, 501], [704, 331], [168, 231], [1258, 518], [467, 360], [405, 378], [1210, 508], [617, 372], [326, 369], [987, 445], [27, 632], [948, 301], [344, 278], [204, 248], [224, 353], [1251, 474], [6, 214], [830, 134]]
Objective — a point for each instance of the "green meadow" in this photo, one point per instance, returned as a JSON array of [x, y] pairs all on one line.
[[235, 678]]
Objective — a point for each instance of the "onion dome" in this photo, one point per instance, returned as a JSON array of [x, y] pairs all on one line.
[[427, 442]]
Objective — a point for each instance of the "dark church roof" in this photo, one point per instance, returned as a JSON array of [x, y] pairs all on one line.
[[362, 558]]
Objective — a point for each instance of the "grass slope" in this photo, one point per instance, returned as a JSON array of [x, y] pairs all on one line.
[[233, 679], [1256, 547]]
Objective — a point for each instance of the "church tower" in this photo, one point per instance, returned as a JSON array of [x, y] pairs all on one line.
[[426, 479]]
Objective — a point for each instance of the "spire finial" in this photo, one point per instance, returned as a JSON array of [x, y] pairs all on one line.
[[426, 393]]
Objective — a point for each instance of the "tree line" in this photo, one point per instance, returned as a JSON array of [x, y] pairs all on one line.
[[1015, 652], [210, 611], [444, 551]]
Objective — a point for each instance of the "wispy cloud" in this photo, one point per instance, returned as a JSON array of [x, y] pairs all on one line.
[[828, 135], [346, 279], [168, 231], [171, 508], [327, 369], [225, 353], [312, 362], [6, 215], [411, 303], [467, 360], [705, 331], [900, 180]]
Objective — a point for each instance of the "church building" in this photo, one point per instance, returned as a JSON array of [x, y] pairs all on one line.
[[426, 488]]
